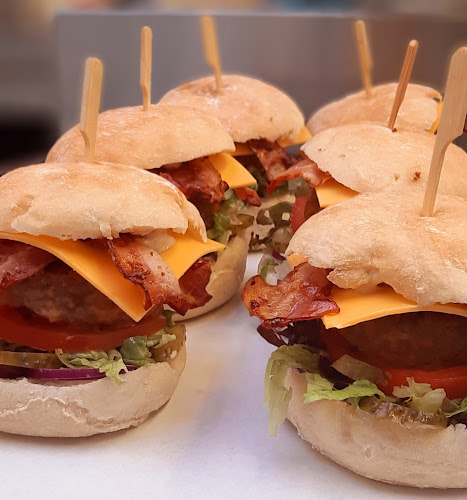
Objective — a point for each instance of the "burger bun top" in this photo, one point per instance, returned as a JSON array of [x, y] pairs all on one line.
[[147, 139], [80, 201], [368, 157], [249, 108], [419, 110], [381, 238]]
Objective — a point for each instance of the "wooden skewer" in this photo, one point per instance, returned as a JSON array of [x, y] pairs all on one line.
[[403, 81], [146, 66], [364, 56], [90, 105], [451, 124], [211, 48]]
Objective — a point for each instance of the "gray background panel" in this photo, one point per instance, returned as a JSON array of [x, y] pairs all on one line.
[[313, 57]]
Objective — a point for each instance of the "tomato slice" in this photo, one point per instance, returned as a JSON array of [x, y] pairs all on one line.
[[298, 216], [452, 380], [36, 332]]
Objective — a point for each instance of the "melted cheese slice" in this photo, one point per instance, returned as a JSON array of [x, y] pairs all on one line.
[[232, 171], [384, 301], [359, 307], [95, 265], [242, 149], [302, 137], [332, 192], [186, 250]]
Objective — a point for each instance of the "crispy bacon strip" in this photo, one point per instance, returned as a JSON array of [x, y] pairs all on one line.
[[193, 283], [201, 183], [248, 195], [19, 261], [304, 168], [274, 159], [301, 296], [145, 267]]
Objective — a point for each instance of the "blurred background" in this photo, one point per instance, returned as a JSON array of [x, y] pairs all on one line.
[[36, 80]]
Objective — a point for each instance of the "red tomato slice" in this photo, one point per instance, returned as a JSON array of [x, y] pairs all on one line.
[[452, 380], [298, 216], [38, 333]]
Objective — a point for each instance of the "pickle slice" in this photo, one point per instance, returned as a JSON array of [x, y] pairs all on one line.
[[29, 359], [165, 352], [403, 414]]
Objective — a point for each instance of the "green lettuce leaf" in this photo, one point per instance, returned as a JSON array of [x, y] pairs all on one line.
[[108, 362], [420, 396], [276, 396], [318, 388], [462, 409]]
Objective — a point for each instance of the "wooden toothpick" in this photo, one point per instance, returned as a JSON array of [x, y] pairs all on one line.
[[211, 48], [451, 124], [364, 56], [90, 105], [146, 66], [403, 82]]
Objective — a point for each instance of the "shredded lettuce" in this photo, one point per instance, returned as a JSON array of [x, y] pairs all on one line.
[[276, 396], [135, 351], [266, 265], [462, 409], [108, 362], [318, 388], [230, 219], [420, 396]]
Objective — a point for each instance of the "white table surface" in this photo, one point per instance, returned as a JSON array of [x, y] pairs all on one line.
[[209, 441]]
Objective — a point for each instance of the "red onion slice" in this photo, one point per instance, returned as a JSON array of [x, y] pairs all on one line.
[[57, 374]]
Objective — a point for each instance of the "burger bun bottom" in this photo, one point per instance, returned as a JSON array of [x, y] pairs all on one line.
[[380, 448], [83, 408]]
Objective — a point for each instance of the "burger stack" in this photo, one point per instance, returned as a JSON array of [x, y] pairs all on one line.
[[101, 261]]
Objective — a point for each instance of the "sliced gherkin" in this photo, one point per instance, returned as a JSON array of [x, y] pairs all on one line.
[[403, 414], [166, 352]]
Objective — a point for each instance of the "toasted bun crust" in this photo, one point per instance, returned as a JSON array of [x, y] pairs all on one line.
[[381, 238], [249, 108], [368, 157], [379, 448], [419, 110], [80, 200], [147, 139], [226, 277], [76, 409]]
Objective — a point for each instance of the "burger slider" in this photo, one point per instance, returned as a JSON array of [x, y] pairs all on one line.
[[91, 257], [191, 150], [368, 157], [262, 120], [370, 323]]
